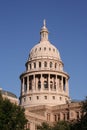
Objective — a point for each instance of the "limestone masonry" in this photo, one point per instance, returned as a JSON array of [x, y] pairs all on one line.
[[44, 86]]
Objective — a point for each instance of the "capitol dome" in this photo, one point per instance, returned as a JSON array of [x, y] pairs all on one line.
[[44, 48], [44, 82]]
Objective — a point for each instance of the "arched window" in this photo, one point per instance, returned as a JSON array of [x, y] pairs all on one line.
[[44, 48], [39, 84], [51, 84], [58, 117], [53, 49], [64, 83], [30, 66], [55, 65], [30, 82], [49, 49], [37, 97], [30, 85], [39, 64], [34, 65], [45, 64], [60, 98], [51, 64], [40, 48], [45, 84], [25, 84]]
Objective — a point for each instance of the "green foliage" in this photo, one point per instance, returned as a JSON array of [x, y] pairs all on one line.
[[12, 117], [61, 125], [44, 126], [83, 122]]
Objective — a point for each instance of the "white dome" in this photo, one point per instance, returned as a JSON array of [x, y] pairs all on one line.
[[44, 82], [44, 49]]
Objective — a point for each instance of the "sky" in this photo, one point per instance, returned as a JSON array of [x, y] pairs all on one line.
[[20, 24]]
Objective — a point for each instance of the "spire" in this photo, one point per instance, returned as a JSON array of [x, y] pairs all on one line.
[[44, 23], [44, 32]]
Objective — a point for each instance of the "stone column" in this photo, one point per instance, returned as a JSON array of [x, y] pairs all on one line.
[[42, 83], [23, 86], [67, 91], [32, 126], [27, 84], [62, 82], [34, 84], [56, 82]]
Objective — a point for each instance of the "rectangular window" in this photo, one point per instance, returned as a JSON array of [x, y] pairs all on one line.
[[53, 97], [30, 98], [77, 115], [58, 117], [48, 117], [45, 97], [55, 117], [37, 97]]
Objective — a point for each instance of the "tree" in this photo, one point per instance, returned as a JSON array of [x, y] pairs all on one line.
[[44, 126], [61, 125], [83, 121], [12, 117]]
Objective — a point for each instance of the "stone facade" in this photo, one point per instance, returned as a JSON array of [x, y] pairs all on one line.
[[52, 114], [44, 86], [12, 97]]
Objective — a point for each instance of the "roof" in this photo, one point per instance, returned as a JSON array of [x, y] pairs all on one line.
[[7, 93]]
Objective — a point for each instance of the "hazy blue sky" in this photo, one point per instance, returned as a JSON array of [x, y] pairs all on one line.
[[20, 24]]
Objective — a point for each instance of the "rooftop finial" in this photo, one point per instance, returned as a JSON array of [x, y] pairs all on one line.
[[44, 32], [44, 22]]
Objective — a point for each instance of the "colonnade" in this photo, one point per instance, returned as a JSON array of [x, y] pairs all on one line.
[[41, 82]]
